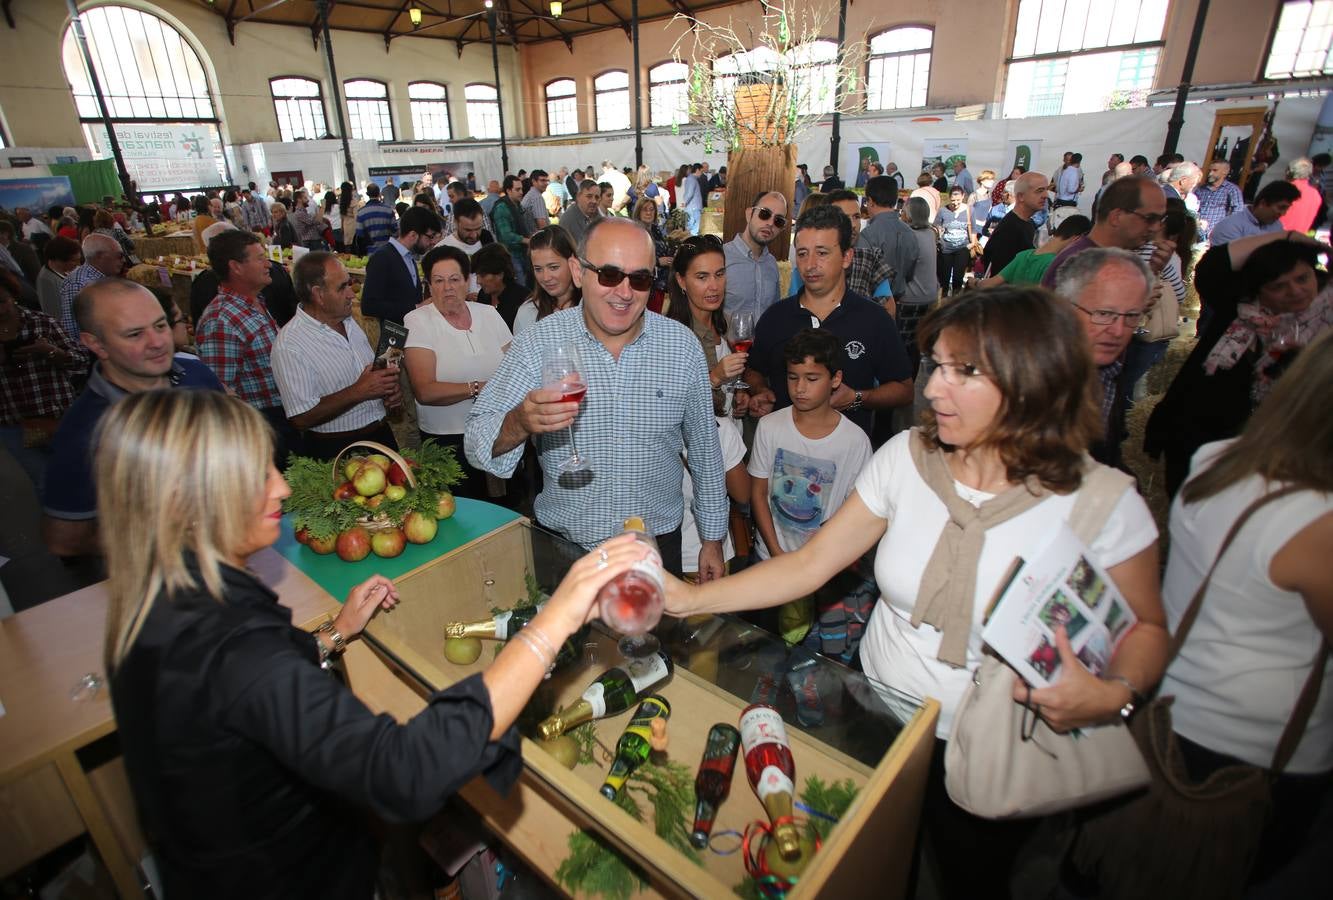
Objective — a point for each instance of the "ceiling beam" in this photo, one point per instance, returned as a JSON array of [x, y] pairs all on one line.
[[539, 18]]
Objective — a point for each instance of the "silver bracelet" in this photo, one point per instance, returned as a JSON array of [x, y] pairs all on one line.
[[541, 636], [532, 645]]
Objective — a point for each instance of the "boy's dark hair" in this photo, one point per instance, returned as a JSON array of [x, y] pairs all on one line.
[[828, 217], [816, 344]]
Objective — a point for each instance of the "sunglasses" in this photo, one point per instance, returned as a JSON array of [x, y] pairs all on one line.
[[765, 214], [610, 276], [702, 242]]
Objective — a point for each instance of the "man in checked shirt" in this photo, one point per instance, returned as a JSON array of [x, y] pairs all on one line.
[[236, 332], [648, 401]]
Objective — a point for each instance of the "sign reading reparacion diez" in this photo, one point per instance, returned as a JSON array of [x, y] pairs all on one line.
[[166, 157]]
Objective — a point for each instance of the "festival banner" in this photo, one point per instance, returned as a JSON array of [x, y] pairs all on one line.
[[165, 157]]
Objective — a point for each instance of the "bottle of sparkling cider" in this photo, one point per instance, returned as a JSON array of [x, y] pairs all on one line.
[[713, 783], [772, 772], [614, 691], [633, 747]]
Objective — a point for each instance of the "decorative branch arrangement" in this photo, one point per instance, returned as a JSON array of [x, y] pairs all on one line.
[[763, 85]]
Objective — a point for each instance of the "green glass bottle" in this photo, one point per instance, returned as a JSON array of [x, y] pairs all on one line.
[[633, 747], [503, 626], [614, 691]]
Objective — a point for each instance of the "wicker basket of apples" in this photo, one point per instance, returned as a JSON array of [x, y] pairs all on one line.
[[371, 502]]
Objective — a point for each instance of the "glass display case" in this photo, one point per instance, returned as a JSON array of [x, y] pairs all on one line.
[[844, 733]]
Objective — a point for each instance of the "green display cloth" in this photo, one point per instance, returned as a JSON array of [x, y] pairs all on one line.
[[472, 520], [91, 181]]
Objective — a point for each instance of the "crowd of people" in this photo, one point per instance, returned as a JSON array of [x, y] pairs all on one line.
[[952, 355]]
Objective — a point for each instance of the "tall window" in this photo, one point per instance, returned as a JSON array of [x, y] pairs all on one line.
[[157, 96], [562, 109], [898, 70], [1106, 54], [814, 72], [668, 94], [727, 70], [610, 94], [430, 111], [483, 111], [1303, 43], [368, 110], [299, 103]]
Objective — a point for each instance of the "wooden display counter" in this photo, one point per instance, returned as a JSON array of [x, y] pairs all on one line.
[[50, 792]]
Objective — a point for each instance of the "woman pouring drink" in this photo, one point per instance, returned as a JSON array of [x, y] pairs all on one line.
[[253, 768]]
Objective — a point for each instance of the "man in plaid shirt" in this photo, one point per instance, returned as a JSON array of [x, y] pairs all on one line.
[[236, 332], [1218, 197]]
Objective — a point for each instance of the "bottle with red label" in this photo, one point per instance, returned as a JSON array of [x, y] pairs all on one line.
[[772, 772]]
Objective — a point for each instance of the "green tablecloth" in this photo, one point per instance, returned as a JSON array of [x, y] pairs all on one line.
[[472, 519]]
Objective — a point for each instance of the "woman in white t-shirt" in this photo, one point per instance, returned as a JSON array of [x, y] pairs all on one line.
[[453, 348], [1013, 409], [1268, 608]]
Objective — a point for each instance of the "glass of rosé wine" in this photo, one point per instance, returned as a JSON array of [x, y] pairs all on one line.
[[563, 371]]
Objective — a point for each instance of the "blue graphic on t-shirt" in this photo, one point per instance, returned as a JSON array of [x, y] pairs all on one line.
[[798, 494]]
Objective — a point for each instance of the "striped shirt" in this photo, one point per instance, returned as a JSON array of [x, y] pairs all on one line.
[[375, 221], [641, 413], [235, 338], [312, 361]]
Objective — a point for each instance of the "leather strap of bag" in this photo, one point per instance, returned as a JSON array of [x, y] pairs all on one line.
[[1300, 715]]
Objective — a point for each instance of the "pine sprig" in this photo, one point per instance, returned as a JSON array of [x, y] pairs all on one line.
[[586, 737], [832, 800], [595, 868]]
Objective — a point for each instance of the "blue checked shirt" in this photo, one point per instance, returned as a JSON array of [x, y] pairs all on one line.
[[640, 414], [1215, 204]]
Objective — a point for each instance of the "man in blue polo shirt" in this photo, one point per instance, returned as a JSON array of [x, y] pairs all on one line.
[[877, 374], [124, 326]]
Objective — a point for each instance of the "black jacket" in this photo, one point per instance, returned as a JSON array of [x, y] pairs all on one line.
[[253, 768], [388, 291]]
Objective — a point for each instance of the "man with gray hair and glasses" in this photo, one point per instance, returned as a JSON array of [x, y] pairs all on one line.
[[1109, 288]]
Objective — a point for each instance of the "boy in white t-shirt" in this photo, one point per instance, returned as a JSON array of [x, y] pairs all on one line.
[[806, 456]]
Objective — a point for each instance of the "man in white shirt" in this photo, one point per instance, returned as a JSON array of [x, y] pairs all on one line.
[[31, 226], [619, 183]]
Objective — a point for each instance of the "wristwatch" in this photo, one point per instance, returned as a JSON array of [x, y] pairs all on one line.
[[338, 642], [856, 401]]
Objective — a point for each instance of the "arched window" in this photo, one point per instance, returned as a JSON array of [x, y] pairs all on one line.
[[430, 111], [898, 71], [1303, 41], [1067, 42], [562, 109], [299, 104], [483, 111], [610, 94], [729, 69], [157, 96], [668, 94], [368, 116], [814, 77]]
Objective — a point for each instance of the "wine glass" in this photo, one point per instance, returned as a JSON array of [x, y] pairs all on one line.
[[742, 338], [1285, 337], [563, 371]]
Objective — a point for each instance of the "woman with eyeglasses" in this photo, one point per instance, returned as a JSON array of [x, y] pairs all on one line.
[[453, 348], [551, 250], [1002, 447], [1267, 300], [646, 213]]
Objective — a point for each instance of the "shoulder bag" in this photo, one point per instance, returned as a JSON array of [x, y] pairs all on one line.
[[1002, 760], [1183, 838], [1161, 322]]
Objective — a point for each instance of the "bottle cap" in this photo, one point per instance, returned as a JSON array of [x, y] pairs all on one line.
[[636, 523]]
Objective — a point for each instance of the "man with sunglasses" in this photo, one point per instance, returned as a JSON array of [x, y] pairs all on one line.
[[1109, 288], [1129, 216], [648, 402], [752, 271]]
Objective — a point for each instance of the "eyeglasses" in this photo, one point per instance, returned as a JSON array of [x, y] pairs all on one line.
[[956, 374], [1109, 316], [1148, 218], [765, 214], [610, 276]]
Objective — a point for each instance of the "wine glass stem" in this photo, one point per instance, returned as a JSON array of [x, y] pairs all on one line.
[[573, 446]]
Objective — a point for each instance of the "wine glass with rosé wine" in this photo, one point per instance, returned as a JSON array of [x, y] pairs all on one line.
[[742, 338], [632, 602], [562, 371]]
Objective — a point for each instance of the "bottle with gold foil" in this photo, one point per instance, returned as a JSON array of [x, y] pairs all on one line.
[[500, 627], [772, 772], [614, 691], [633, 747]]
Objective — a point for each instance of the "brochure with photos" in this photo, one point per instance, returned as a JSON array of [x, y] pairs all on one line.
[[392, 337], [1063, 585]]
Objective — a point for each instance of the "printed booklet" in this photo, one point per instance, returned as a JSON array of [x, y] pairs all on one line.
[[1062, 585]]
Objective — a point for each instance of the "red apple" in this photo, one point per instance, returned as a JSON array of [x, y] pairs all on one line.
[[353, 544], [344, 491], [388, 543], [446, 506], [369, 480], [323, 546], [420, 529], [302, 536], [397, 475]]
